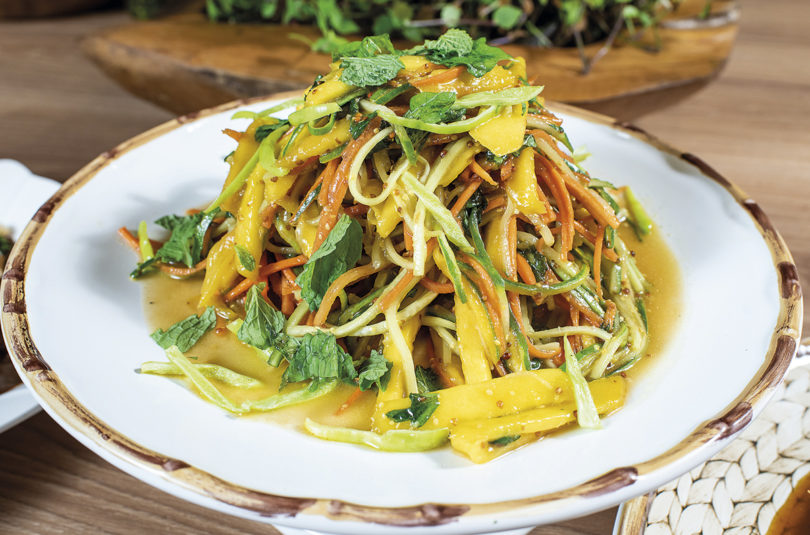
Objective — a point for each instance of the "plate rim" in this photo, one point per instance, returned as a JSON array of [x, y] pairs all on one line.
[[707, 437]]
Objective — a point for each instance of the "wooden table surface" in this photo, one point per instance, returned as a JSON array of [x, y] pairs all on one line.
[[57, 112]]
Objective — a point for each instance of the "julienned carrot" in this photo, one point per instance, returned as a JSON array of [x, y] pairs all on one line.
[[281, 265], [464, 197], [182, 271], [287, 299], [303, 166], [445, 76], [588, 235], [482, 173], [407, 237], [346, 279], [394, 293], [132, 241], [354, 396], [437, 287], [339, 185], [536, 352], [557, 186], [324, 179], [495, 203], [525, 270], [597, 259], [592, 202], [548, 118], [553, 142], [507, 168], [490, 298]]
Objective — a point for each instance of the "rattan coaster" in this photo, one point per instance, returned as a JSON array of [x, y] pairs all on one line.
[[740, 489]]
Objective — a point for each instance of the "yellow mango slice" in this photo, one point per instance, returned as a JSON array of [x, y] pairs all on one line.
[[396, 385], [503, 133], [473, 437], [306, 145], [476, 338], [522, 186], [249, 232], [220, 273]]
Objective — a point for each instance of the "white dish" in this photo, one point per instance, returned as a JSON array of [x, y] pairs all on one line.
[[22, 193], [722, 365]]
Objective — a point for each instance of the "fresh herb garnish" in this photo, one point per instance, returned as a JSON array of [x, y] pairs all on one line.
[[339, 252], [266, 129], [318, 356], [263, 327], [245, 258], [375, 371], [185, 333], [456, 47], [420, 411], [426, 380], [185, 245], [370, 62]]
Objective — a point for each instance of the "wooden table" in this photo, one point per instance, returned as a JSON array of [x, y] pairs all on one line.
[[57, 112]]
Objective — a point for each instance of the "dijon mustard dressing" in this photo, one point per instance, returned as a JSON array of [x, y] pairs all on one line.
[[168, 301]]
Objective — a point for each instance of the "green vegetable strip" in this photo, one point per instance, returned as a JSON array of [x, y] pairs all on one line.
[[384, 95], [244, 114], [643, 222], [440, 213], [394, 440], [211, 371], [354, 310], [452, 267], [236, 184], [608, 351], [521, 340], [457, 127], [271, 356], [406, 144], [564, 286], [143, 240], [277, 401], [332, 154], [322, 130], [587, 415], [296, 131], [205, 386], [311, 113], [553, 130], [505, 97]]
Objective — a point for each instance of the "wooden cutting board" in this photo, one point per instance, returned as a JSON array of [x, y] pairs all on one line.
[[185, 62]]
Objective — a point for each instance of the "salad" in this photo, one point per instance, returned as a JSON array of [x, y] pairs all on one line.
[[416, 229]]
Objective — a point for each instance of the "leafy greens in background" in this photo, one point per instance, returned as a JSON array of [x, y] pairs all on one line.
[[543, 23]]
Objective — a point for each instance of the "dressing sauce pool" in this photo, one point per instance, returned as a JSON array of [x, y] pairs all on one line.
[[793, 518], [167, 301]]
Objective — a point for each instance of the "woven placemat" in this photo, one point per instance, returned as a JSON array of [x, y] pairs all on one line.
[[740, 489]]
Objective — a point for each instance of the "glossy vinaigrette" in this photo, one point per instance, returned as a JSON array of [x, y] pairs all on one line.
[[793, 518]]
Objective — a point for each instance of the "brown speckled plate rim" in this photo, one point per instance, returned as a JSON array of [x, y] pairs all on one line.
[[708, 436]]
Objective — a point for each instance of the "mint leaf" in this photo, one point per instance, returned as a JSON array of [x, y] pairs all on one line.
[[339, 252], [263, 324], [375, 371], [371, 71], [186, 241], [420, 411], [426, 380], [456, 47], [366, 48], [453, 42], [266, 129], [431, 107], [185, 333], [245, 258], [318, 356]]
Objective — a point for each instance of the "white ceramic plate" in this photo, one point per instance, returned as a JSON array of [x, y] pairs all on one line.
[[78, 333], [21, 192]]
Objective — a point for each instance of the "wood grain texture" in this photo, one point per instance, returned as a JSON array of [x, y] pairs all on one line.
[[184, 62], [58, 111]]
